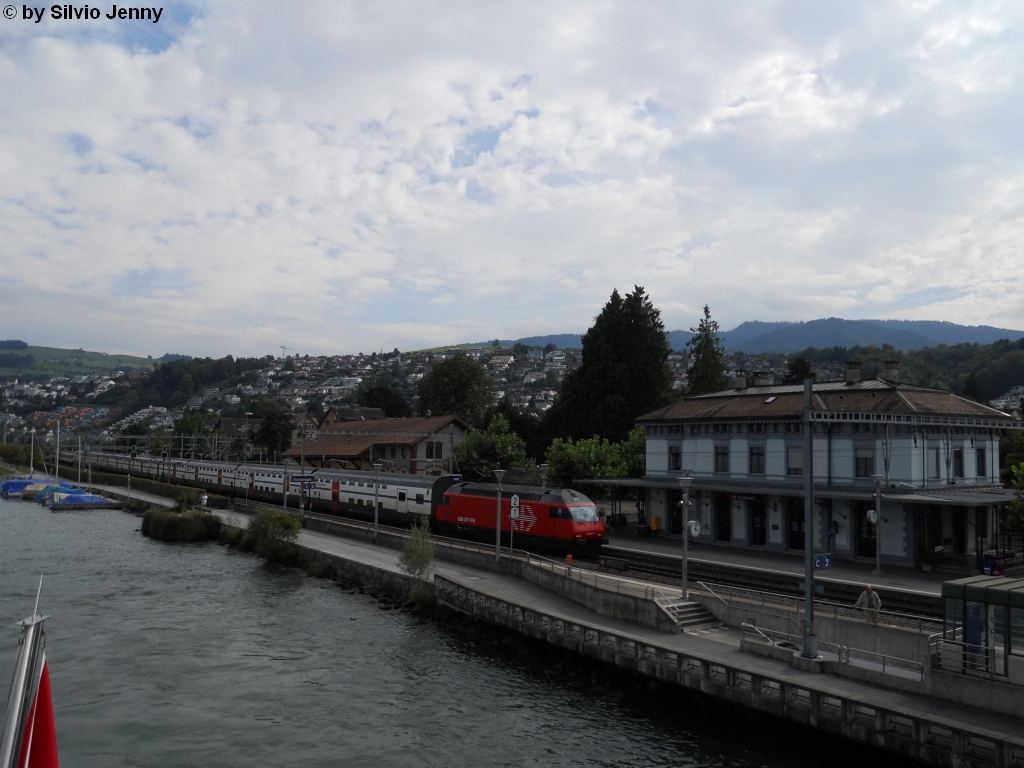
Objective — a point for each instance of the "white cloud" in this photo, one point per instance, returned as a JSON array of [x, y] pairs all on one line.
[[355, 176]]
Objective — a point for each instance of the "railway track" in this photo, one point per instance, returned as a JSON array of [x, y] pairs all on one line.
[[667, 567]]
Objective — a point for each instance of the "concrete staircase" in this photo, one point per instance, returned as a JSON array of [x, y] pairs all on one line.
[[687, 614]]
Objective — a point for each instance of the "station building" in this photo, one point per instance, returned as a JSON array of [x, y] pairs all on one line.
[[743, 447]]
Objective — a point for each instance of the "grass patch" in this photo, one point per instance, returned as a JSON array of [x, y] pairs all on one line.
[[168, 526]]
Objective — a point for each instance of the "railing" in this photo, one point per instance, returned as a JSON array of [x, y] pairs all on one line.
[[838, 610], [598, 580], [704, 587], [967, 658], [842, 653], [900, 727]]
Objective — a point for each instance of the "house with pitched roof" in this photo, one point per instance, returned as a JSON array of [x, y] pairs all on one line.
[[934, 454], [422, 445]]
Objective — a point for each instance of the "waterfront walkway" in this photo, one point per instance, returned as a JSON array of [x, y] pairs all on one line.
[[719, 646]]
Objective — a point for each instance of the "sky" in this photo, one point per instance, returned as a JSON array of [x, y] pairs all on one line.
[[354, 176]]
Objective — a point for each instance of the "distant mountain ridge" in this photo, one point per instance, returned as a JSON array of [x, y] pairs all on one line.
[[755, 336]]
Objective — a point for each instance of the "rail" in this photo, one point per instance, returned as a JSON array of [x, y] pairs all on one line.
[[838, 610]]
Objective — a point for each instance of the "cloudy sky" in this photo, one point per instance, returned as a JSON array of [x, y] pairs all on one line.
[[353, 176]]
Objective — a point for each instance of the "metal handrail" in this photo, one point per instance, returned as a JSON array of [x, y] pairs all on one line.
[[798, 601], [704, 586]]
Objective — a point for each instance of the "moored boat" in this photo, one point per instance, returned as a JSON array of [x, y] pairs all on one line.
[[29, 738]]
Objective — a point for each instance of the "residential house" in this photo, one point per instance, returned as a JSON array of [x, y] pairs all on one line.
[[418, 446]]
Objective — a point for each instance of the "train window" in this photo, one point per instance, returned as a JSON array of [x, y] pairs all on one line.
[[353, 501], [353, 482], [401, 497], [447, 500], [419, 500], [587, 514]]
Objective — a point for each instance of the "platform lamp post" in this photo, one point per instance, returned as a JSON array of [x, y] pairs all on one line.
[[376, 489], [879, 479], [499, 473], [684, 483]]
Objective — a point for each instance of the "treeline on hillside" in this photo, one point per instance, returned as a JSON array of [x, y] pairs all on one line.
[[995, 367], [172, 383], [11, 360], [13, 344]]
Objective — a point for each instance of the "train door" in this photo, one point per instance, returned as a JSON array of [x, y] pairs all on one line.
[[220, 480], [402, 504], [249, 492], [335, 495], [174, 474], [196, 479]]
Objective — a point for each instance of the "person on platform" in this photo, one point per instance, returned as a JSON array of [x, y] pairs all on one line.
[[870, 603], [640, 517], [202, 502]]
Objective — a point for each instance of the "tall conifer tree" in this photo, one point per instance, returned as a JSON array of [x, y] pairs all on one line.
[[624, 373], [707, 374]]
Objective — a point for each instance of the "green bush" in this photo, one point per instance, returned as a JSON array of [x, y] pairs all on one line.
[[273, 535], [322, 570], [164, 525]]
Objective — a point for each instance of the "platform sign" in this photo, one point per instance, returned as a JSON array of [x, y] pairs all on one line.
[[823, 561], [515, 507], [303, 478]]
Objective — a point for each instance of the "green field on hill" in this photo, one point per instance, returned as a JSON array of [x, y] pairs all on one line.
[[52, 361]]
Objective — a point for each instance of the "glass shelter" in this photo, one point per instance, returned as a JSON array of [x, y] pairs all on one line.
[[983, 627]]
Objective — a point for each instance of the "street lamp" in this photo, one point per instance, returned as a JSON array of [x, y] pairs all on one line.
[[684, 483], [376, 486], [499, 473], [878, 524]]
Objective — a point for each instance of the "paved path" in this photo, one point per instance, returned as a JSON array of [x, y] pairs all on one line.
[[853, 572], [120, 492], [720, 645]]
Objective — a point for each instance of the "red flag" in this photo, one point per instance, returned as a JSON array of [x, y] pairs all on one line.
[[39, 742]]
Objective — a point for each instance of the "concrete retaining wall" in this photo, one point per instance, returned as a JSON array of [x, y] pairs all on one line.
[[636, 610], [853, 633]]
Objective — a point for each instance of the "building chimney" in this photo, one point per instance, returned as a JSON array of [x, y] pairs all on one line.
[[763, 379], [892, 371], [852, 371], [739, 381]]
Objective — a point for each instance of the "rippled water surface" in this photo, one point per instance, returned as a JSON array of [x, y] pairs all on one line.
[[180, 655]]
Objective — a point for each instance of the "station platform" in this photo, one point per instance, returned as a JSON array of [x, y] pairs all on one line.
[[843, 570]]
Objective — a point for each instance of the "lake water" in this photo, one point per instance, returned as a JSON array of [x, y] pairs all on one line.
[[196, 655]]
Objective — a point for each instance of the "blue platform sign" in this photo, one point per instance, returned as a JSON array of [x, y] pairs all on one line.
[[303, 478], [823, 561]]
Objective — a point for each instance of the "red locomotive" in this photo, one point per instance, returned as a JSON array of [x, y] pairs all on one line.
[[553, 517]]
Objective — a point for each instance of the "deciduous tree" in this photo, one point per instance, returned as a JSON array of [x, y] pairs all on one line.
[[459, 386], [496, 447]]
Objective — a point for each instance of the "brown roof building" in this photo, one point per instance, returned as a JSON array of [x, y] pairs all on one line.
[[934, 455], [419, 445]]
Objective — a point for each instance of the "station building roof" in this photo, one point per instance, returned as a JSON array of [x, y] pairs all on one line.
[[785, 403]]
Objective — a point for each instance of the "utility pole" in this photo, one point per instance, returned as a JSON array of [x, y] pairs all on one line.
[[685, 482], [32, 455], [878, 524], [56, 455], [810, 650], [302, 486], [499, 473], [451, 446], [376, 504]]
